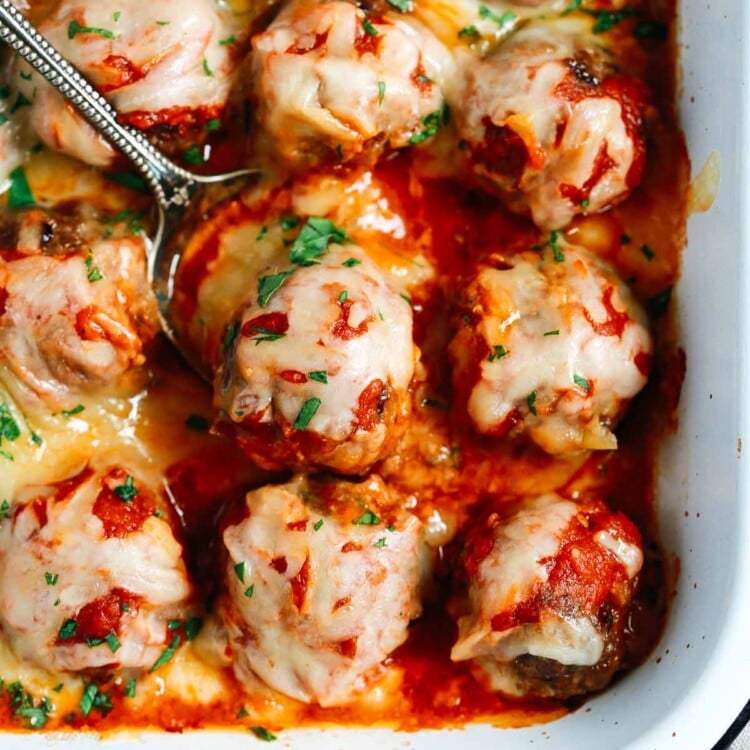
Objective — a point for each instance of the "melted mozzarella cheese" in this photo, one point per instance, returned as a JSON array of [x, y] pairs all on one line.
[[61, 555], [572, 344], [330, 598], [516, 570], [147, 58], [77, 321], [339, 336], [576, 147], [328, 81]]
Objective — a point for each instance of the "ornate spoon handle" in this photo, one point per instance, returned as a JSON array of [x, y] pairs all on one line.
[[171, 185]]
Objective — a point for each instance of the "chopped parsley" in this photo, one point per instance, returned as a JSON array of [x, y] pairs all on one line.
[[129, 690], [625, 239], [306, 413], [403, 5], [249, 590], [320, 376], [648, 252], [75, 28], [573, 5], [344, 296], [167, 654], [116, 15], [368, 518], [556, 332], [530, 401], [67, 630], [498, 352], [468, 31], [228, 40], [289, 222], [51, 578], [263, 232], [92, 272], [380, 543], [318, 525], [554, 244], [313, 240], [9, 429], [381, 91], [4, 510], [239, 571], [265, 334], [508, 17], [431, 125], [206, 69], [263, 734], [269, 285], [606, 20], [21, 101], [582, 383], [242, 713], [93, 698], [370, 30], [213, 124], [113, 642], [68, 413], [229, 336], [194, 155], [19, 194], [127, 492]]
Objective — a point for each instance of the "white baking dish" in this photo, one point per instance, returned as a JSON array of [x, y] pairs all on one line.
[[690, 696]]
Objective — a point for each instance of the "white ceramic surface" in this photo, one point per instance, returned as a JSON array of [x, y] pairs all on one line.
[[689, 699]]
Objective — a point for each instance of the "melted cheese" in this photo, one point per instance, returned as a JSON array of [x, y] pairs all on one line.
[[544, 314], [319, 635]]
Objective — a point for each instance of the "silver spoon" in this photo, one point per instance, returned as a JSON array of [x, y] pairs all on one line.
[[176, 189]]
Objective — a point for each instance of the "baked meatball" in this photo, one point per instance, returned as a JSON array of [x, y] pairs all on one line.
[[551, 125], [318, 371], [322, 580], [549, 588], [75, 309], [160, 64], [551, 346], [101, 572], [330, 81]]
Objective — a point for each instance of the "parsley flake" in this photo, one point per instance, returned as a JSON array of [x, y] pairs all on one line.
[[249, 590], [556, 332], [92, 272], [368, 518], [127, 492], [380, 543], [530, 401], [67, 630], [51, 578], [648, 252], [206, 69], [306, 413], [239, 571], [318, 525], [269, 285], [403, 5], [320, 376], [499, 352], [129, 691], [508, 17], [370, 30], [431, 126], [263, 734], [468, 31], [19, 194], [167, 654], [75, 28], [77, 409], [582, 383], [381, 91], [314, 239]]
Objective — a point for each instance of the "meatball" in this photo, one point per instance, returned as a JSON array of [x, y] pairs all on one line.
[[101, 572], [75, 311], [322, 580], [549, 589], [331, 81], [550, 124], [160, 64], [320, 365], [550, 346]]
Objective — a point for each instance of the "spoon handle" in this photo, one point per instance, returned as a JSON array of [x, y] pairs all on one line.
[[172, 186]]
